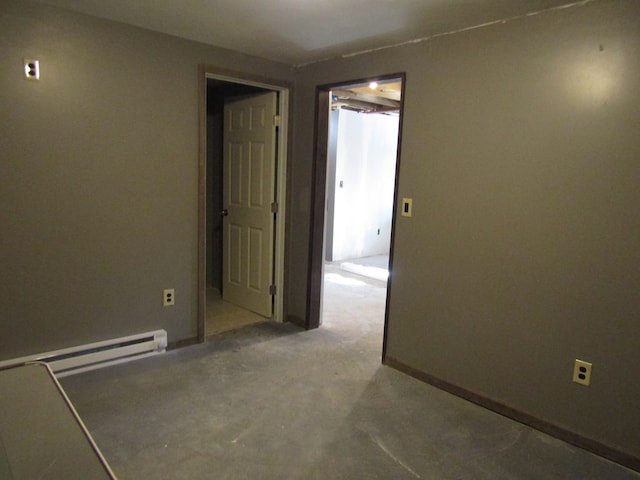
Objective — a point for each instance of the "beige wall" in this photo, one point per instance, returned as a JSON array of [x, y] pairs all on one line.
[[98, 178], [520, 149]]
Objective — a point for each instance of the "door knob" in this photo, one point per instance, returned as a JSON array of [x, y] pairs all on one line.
[[224, 213]]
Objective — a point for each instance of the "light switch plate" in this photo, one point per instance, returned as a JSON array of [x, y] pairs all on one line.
[[407, 204]]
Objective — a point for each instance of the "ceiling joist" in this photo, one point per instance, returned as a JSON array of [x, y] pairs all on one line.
[[363, 102]]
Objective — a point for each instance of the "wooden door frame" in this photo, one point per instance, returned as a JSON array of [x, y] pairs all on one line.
[[319, 199], [283, 88]]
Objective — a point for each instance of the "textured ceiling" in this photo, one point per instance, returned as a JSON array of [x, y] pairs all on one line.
[[303, 31]]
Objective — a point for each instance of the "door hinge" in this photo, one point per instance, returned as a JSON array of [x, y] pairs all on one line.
[[276, 120], [274, 207], [272, 290]]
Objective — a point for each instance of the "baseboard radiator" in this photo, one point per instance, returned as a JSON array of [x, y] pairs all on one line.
[[82, 358]]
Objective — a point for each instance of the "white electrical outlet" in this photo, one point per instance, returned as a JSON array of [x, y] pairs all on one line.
[[582, 372], [168, 297], [32, 69]]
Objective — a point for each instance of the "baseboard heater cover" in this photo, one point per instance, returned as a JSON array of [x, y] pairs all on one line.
[[82, 358]]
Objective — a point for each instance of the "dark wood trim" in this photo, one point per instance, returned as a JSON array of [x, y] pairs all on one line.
[[318, 202], [593, 446], [186, 342], [295, 320], [202, 202], [235, 76], [363, 81], [319, 193], [403, 77]]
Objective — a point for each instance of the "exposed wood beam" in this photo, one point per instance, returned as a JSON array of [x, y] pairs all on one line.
[[365, 98]]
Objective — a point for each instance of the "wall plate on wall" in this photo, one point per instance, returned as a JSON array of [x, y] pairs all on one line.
[[32, 69], [407, 204]]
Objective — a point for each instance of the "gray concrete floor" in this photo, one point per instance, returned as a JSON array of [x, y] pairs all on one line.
[[271, 401], [375, 266]]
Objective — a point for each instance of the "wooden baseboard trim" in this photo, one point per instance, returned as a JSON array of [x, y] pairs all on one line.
[[623, 458], [186, 342], [296, 321]]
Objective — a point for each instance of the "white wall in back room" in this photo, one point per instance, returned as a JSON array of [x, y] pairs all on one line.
[[365, 163]]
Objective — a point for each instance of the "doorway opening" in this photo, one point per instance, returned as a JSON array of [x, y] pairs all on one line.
[[358, 128], [259, 166]]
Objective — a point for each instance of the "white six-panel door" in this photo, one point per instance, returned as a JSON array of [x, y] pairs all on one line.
[[248, 194]]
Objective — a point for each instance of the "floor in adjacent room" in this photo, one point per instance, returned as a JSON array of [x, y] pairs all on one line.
[[271, 401], [223, 316]]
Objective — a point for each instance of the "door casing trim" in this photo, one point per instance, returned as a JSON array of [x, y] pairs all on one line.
[[313, 317], [283, 89]]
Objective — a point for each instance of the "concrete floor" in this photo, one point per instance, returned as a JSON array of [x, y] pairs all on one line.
[[375, 266], [271, 401]]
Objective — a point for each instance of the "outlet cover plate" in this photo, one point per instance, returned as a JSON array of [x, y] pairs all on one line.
[[582, 372], [31, 69], [168, 297]]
